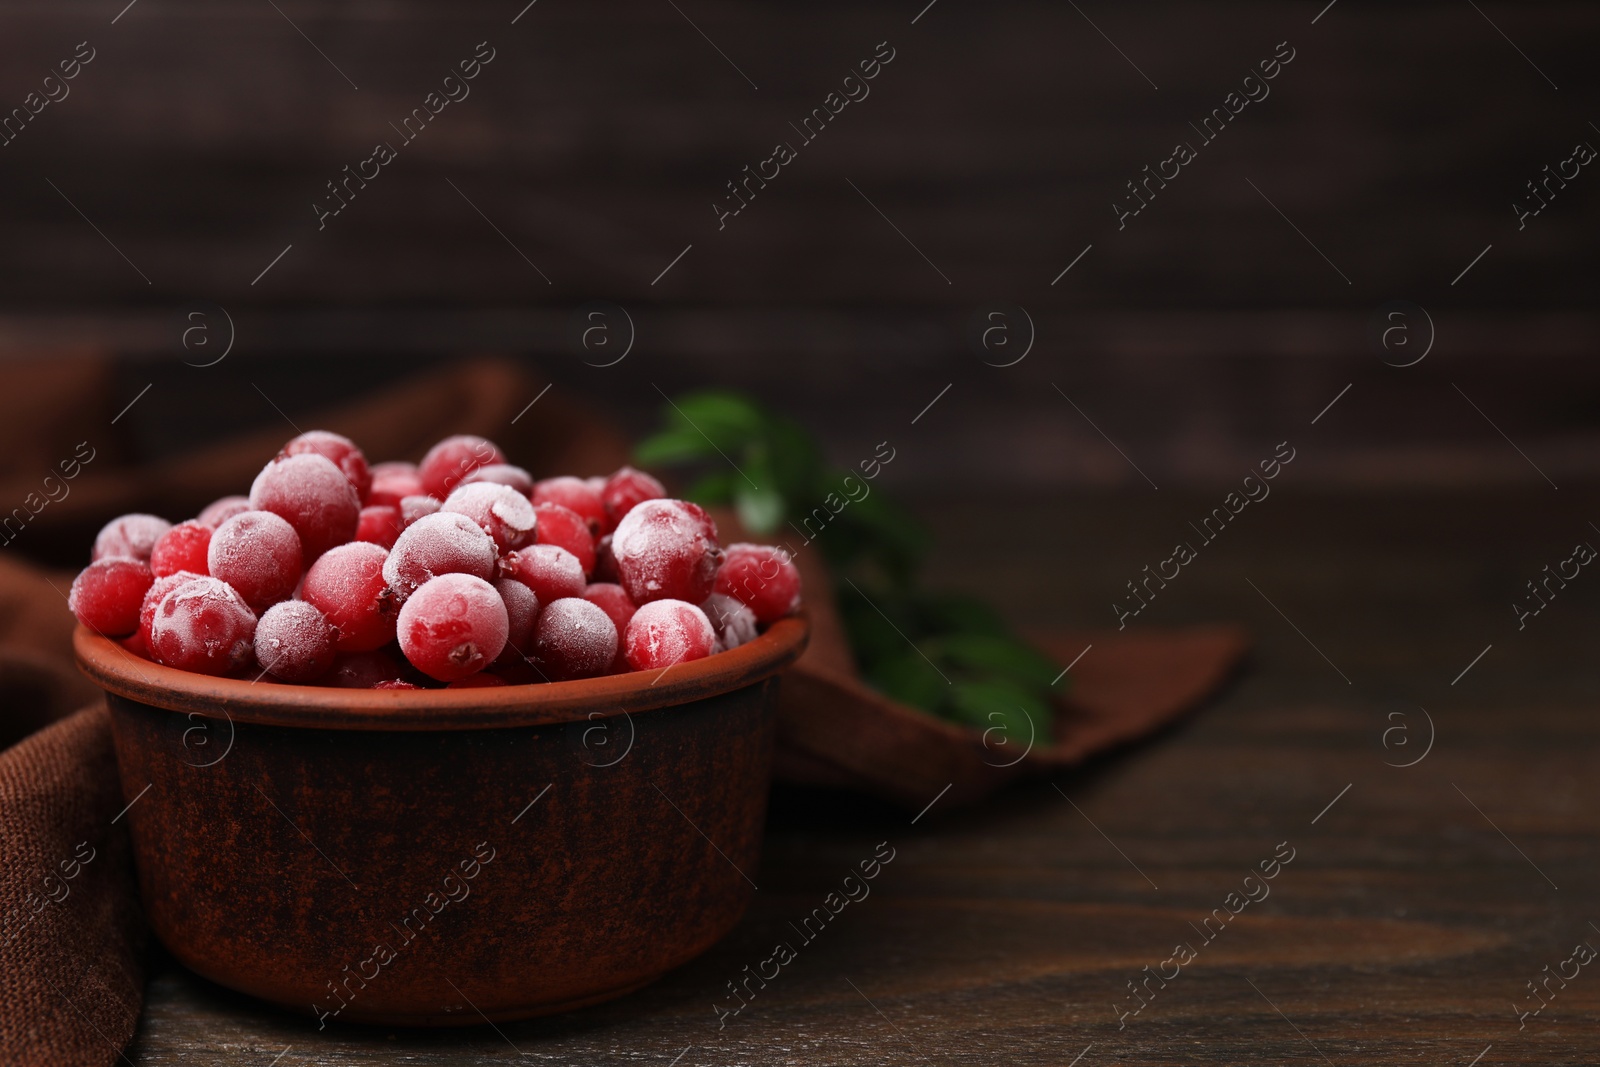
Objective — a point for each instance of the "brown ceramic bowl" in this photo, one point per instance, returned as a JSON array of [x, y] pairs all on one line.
[[441, 857]]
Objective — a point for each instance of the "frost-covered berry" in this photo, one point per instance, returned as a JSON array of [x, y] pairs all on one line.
[[416, 507], [445, 543], [522, 611], [203, 626], [733, 622], [666, 549], [380, 524], [550, 571], [664, 632], [562, 526], [392, 483], [761, 577], [220, 511], [625, 489], [500, 511], [574, 639], [340, 451], [502, 474], [576, 495], [152, 597], [107, 593], [452, 626], [129, 536], [258, 554], [453, 459], [314, 496], [182, 548], [348, 586], [294, 642], [611, 599]]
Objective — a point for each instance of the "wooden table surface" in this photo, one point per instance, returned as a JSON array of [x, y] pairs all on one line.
[[1419, 903]]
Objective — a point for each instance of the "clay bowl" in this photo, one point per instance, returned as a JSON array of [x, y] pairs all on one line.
[[442, 857]]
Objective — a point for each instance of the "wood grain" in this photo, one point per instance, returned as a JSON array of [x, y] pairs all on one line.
[[1402, 931]]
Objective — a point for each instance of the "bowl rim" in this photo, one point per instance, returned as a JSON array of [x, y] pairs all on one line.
[[121, 673]]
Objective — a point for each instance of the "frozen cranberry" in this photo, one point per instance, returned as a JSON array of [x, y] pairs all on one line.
[[348, 586], [453, 459], [203, 626], [393, 466], [220, 511], [502, 474], [107, 593], [294, 642], [446, 543], [624, 490], [522, 611], [734, 623], [481, 680], [562, 526], [415, 507], [502, 512], [340, 451], [314, 496], [666, 549], [597, 483], [605, 561], [380, 524], [364, 670], [182, 548], [152, 597], [549, 570], [763, 578], [574, 639], [258, 554], [394, 683], [664, 632], [392, 486], [613, 601], [452, 626], [130, 536], [576, 494]]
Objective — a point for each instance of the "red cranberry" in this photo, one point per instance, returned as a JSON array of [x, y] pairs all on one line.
[[761, 577], [734, 623], [664, 632], [107, 593], [152, 597], [574, 639], [610, 598], [453, 459], [522, 611], [452, 626], [314, 496], [392, 486], [624, 490], [203, 626], [258, 554], [549, 570], [294, 641], [348, 586], [182, 548], [413, 508], [220, 511], [340, 451], [666, 549], [446, 543], [380, 524], [576, 494], [500, 511], [562, 526], [502, 474], [129, 536]]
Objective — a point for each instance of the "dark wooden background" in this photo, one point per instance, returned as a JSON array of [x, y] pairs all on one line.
[[600, 135]]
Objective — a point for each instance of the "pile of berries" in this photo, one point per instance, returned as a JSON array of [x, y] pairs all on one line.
[[461, 570]]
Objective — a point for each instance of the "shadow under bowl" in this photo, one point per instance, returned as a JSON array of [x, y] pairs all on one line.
[[442, 857]]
